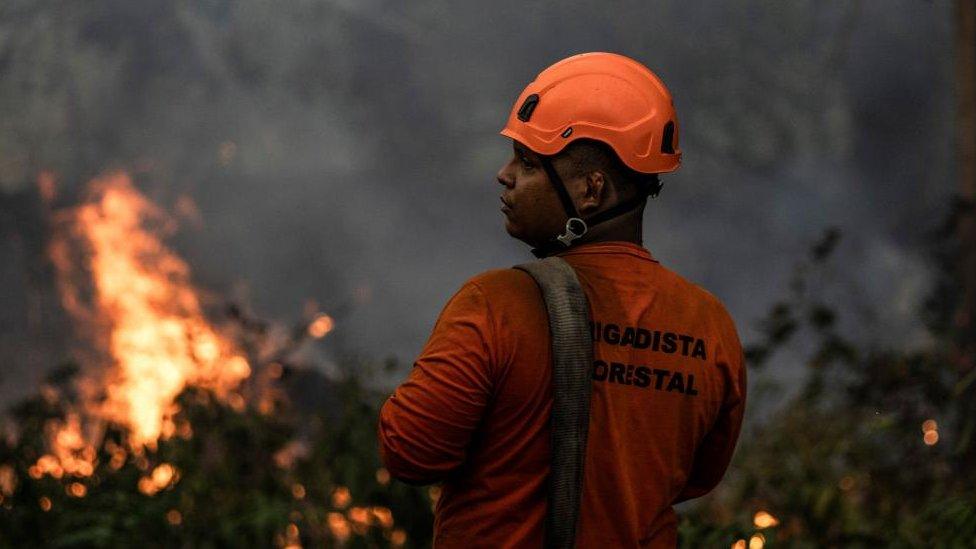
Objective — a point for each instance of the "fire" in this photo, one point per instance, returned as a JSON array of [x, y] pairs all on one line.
[[292, 538], [339, 526], [382, 516], [161, 477], [321, 326], [930, 428], [763, 519], [341, 497], [8, 480], [174, 517], [71, 454], [76, 489], [150, 317], [359, 518]]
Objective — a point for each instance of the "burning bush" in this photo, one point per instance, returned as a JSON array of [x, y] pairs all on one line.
[[228, 477], [175, 429]]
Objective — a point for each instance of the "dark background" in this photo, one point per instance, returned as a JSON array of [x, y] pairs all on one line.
[[345, 151]]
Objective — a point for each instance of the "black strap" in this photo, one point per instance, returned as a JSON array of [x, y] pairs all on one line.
[[561, 242], [557, 184], [546, 250], [619, 209], [572, 363]]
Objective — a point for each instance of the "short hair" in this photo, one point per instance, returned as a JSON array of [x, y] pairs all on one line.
[[590, 155]]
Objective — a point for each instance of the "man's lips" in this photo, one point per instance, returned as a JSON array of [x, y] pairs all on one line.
[[506, 207]]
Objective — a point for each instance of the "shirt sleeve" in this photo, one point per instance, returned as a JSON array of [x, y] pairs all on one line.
[[425, 427], [714, 454]]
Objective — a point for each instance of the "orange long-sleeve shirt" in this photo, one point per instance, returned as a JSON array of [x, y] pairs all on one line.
[[669, 389]]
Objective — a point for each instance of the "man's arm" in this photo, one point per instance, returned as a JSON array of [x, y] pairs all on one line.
[[426, 425], [715, 451]]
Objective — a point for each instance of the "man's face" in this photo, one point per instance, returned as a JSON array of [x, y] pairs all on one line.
[[533, 213]]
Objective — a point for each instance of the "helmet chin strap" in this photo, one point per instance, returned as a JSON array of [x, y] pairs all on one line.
[[576, 226]]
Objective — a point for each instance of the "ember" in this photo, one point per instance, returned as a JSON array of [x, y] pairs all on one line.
[[321, 326]]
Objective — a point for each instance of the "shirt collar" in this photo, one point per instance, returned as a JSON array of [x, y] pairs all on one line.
[[610, 247]]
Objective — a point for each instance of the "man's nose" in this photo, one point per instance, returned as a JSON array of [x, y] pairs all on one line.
[[506, 176]]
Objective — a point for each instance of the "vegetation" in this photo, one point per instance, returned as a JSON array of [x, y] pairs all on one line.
[[873, 449], [309, 478]]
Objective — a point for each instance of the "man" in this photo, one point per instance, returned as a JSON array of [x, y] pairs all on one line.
[[669, 382]]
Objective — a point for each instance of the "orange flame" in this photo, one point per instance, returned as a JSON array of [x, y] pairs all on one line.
[[157, 337], [341, 497], [339, 526], [382, 516], [762, 519], [162, 476], [321, 326], [71, 454]]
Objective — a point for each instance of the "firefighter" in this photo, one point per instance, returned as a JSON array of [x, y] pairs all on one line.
[[589, 137]]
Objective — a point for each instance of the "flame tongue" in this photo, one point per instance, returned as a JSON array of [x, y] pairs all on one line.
[[158, 338]]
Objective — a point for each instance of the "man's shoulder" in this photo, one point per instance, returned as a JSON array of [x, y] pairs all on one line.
[[500, 283], [690, 292], [502, 294]]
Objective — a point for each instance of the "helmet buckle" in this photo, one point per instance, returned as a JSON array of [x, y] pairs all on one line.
[[567, 238]]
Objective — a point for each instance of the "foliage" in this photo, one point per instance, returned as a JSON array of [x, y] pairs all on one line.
[[847, 461], [872, 449], [244, 478]]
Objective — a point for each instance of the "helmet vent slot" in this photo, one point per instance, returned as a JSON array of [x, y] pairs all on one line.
[[525, 111], [667, 141]]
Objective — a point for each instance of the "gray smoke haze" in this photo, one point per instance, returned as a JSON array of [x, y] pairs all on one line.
[[345, 151]]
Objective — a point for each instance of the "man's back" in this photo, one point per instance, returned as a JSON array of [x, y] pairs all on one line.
[[669, 381]]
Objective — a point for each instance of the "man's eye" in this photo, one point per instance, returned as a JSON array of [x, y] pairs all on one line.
[[525, 161]]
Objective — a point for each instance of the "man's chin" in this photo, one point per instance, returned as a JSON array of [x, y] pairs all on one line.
[[517, 233], [512, 229]]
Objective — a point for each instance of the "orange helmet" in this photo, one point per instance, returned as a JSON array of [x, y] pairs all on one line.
[[606, 97], [602, 96]]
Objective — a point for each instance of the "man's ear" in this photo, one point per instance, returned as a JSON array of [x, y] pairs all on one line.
[[595, 191]]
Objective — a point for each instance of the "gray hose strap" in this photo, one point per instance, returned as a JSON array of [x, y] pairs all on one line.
[[572, 363]]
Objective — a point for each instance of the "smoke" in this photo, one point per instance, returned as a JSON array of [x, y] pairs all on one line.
[[345, 151]]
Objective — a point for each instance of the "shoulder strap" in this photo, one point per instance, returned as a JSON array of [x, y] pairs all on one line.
[[572, 363]]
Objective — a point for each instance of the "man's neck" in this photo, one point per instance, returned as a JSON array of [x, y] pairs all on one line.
[[616, 230]]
